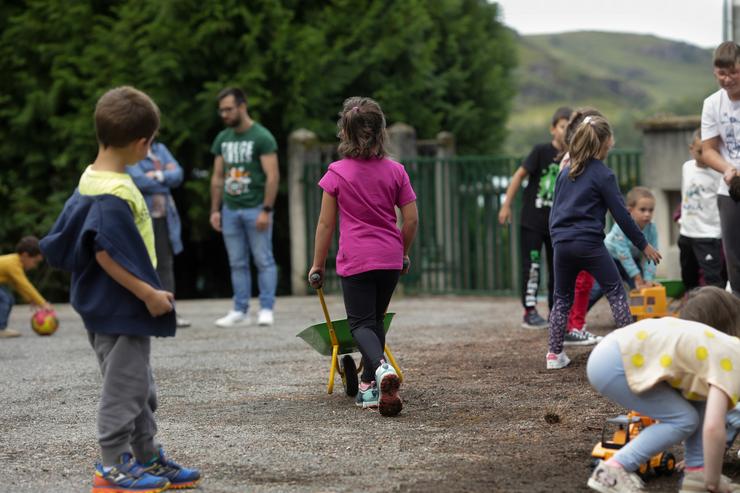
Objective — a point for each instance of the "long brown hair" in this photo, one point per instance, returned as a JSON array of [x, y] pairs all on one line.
[[361, 129], [589, 138], [715, 307]]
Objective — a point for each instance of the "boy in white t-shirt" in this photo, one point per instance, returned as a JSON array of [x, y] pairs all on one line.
[[699, 240], [720, 135]]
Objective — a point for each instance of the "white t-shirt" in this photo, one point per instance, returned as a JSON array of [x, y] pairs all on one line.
[[699, 212], [721, 117]]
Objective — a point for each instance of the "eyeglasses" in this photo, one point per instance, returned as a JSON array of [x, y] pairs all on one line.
[[726, 73]]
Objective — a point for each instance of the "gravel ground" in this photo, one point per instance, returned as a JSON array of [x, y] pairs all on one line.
[[249, 407]]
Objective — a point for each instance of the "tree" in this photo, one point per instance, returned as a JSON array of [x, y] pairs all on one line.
[[440, 64]]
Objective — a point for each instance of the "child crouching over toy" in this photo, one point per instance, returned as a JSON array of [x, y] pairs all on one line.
[[682, 372]]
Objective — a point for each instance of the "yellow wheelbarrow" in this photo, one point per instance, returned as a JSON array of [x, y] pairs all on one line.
[[335, 339]]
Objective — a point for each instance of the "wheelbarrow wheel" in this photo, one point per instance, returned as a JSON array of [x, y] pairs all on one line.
[[349, 375]]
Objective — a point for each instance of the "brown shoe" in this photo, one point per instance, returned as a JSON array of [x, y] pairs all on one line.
[[6, 333]]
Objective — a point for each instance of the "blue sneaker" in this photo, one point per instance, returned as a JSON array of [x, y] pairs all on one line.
[[128, 476], [389, 402], [180, 478], [368, 397]]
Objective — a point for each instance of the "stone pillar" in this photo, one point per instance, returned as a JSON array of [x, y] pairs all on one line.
[[401, 141], [665, 148], [445, 215], [731, 20], [303, 147]]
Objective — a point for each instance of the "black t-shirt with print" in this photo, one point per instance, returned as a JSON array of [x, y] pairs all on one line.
[[543, 171]]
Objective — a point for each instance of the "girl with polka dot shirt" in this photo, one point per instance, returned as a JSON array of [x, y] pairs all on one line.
[[683, 372]]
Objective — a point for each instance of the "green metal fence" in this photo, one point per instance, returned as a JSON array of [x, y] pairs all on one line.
[[460, 247]]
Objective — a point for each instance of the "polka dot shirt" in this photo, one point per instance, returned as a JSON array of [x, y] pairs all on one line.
[[687, 355]]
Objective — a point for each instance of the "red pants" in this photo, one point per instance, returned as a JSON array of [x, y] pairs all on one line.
[[577, 316]]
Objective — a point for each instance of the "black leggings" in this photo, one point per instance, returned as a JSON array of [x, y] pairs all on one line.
[[366, 298], [571, 257]]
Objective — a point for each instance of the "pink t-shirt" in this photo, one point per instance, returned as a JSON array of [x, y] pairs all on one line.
[[366, 193]]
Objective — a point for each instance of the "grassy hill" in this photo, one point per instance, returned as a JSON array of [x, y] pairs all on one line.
[[627, 76]]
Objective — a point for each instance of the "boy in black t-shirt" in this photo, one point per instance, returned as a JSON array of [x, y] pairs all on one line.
[[541, 168]]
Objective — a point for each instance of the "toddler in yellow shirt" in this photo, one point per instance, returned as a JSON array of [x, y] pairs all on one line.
[[13, 269]]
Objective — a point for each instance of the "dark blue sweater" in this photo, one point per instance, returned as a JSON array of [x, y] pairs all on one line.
[[89, 224], [580, 205]]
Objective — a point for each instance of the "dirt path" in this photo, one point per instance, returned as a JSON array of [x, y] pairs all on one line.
[[249, 407]]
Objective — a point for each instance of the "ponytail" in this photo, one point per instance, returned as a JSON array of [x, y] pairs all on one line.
[[588, 140]]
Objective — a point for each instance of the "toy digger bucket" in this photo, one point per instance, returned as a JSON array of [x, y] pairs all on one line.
[[334, 338]]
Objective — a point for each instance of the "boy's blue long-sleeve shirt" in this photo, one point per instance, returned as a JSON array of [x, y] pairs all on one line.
[[87, 225], [579, 207], [623, 250]]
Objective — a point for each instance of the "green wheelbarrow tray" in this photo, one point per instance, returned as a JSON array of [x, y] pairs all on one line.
[[317, 336]]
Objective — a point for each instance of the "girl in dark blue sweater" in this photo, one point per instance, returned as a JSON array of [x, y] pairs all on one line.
[[585, 189]]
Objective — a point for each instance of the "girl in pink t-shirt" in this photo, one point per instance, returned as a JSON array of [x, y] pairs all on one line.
[[364, 189]]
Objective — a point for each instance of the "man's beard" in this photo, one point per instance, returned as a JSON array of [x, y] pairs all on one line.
[[233, 123]]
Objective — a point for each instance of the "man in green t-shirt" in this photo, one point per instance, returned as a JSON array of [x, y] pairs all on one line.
[[243, 190]]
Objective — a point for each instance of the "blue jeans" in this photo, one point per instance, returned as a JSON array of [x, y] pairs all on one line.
[[6, 304], [243, 241], [679, 419], [733, 424]]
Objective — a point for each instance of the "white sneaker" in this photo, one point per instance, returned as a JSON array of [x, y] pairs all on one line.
[[608, 479], [265, 317], [693, 481], [389, 402], [557, 361], [182, 322], [233, 319]]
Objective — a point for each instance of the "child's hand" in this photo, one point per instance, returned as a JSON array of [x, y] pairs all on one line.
[[159, 302], [504, 215], [316, 277], [652, 254]]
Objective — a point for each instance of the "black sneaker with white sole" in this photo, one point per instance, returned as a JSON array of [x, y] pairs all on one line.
[[532, 320], [581, 338]]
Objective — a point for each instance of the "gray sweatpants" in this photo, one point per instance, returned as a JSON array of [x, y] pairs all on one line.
[[729, 218], [129, 397]]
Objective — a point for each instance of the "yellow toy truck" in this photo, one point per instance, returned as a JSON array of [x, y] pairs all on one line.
[[655, 301], [622, 429]]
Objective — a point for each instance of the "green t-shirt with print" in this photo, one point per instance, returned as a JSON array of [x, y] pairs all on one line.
[[244, 178]]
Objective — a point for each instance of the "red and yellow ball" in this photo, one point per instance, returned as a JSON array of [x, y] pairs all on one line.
[[44, 322]]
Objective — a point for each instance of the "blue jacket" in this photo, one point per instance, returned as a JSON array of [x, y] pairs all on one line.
[[623, 250], [579, 207], [149, 187], [89, 224]]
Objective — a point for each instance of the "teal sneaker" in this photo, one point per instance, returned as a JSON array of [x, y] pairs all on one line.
[[368, 397], [389, 402]]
